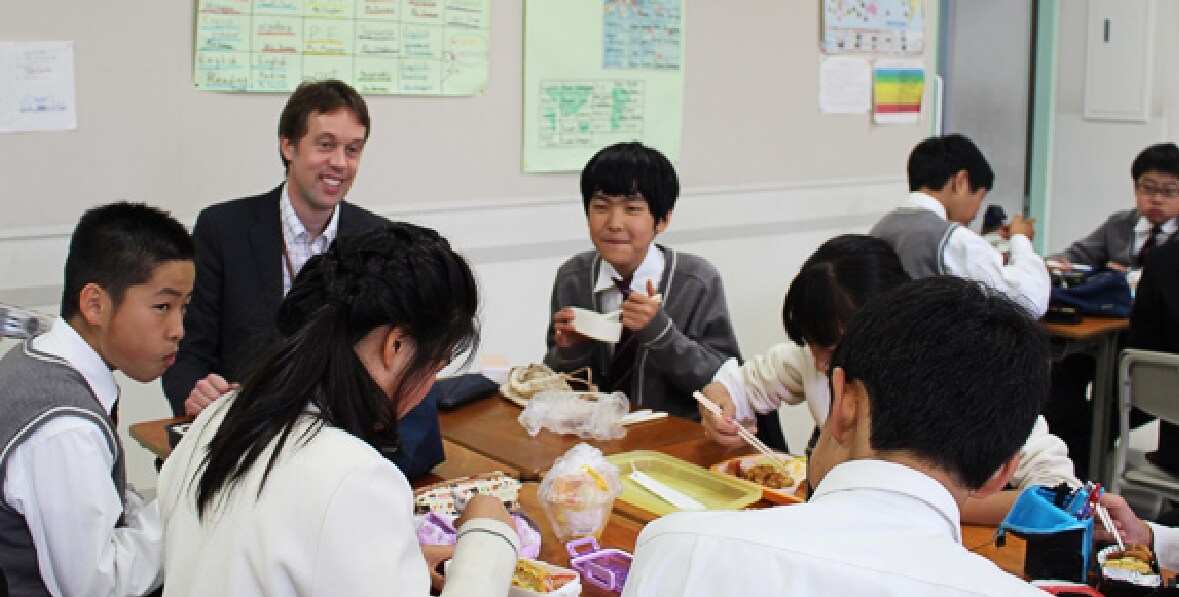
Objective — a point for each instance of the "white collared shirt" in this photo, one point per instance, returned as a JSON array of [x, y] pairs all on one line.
[[59, 479], [610, 298], [1024, 278], [299, 242], [872, 528], [1142, 232]]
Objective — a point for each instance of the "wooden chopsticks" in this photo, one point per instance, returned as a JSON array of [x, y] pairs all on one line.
[[745, 434]]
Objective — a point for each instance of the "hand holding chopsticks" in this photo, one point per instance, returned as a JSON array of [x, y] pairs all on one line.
[[745, 434]]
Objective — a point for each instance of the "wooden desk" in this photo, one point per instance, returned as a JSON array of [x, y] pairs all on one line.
[[1097, 336], [490, 427], [153, 435]]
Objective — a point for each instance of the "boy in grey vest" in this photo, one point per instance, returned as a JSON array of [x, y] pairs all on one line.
[[948, 179], [676, 326], [68, 523]]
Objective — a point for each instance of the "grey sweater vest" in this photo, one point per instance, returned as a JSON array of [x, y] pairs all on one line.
[[35, 388], [919, 237]]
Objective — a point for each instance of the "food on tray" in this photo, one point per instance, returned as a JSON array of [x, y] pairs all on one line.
[[767, 475], [535, 577], [1136, 558]]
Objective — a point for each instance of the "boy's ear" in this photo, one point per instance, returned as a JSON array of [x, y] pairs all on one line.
[[999, 480], [661, 225], [94, 304], [848, 399], [962, 181]]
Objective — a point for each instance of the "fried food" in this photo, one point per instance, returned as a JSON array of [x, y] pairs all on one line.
[[1136, 558], [531, 576], [767, 475]]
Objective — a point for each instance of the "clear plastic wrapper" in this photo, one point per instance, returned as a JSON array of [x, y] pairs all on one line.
[[587, 415], [578, 492]]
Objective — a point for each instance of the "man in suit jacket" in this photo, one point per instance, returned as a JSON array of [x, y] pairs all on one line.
[[1122, 240], [249, 251]]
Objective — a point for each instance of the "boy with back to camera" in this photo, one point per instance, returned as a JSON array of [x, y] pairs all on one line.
[[948, 179], [935, 386], [69, 525], [676, 327]]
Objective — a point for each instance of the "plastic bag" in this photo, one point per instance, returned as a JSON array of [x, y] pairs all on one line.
[[578, 492], [585, 414]]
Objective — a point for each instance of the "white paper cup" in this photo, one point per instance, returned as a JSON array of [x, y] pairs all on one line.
[[595, 325]]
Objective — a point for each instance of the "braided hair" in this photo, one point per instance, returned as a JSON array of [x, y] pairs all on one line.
[[399, 275]]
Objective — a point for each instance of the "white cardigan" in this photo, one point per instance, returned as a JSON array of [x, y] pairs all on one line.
[[334, 518], [786, 373]]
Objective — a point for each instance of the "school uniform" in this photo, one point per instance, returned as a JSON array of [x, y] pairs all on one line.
[[68, 524], [786, 374], [1154, 325], [871, 527], [333, 518], [1119, 239], [678, 351], [928, 244]]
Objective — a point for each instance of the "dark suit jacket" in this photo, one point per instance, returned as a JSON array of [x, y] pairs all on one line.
[[1154, 325], [236, 296], [1112, 241]]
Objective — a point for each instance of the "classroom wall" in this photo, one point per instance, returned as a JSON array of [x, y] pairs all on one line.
[[1091, 158], [765, 177]]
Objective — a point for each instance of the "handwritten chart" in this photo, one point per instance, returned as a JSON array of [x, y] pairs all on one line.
[[410, 47], [599, 72], [37, 87]]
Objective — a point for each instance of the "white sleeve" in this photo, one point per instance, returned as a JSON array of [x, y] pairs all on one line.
[[766, 381], [1044, 460], [1166, 546], [368, 546], [1024, 278], [59, 480]]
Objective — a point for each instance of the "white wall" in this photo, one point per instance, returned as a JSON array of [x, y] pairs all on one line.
[[766, 178], [1091, 159]]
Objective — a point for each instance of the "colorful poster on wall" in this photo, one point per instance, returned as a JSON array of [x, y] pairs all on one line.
[[599, 72], [897, 89], [882, 26], [408, 47]]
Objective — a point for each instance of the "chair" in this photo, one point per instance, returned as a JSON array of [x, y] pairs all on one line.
[[1148, 380]]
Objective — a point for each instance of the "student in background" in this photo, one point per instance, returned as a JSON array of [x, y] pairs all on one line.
[[282, 487], [1124, 239], [948, 179], [671, 345], [250, 250], [843, 275], [69, 524], [913, 432]]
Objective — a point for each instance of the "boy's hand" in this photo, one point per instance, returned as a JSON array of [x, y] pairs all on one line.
[[639, 309], [563, 332], [483, 505], [1131, 528], [1020, 225], [721, 430], [206, 392], [1117, 267]]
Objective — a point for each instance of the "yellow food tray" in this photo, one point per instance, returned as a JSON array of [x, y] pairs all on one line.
[[714, 490]]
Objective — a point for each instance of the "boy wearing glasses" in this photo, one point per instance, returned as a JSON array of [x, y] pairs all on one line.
[[1123, 241]]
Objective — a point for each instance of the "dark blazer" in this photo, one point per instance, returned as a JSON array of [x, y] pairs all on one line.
[[1113, 241], [1154, 325], [236, 296]]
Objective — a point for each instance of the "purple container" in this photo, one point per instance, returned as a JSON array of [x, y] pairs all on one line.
[[604, 568]]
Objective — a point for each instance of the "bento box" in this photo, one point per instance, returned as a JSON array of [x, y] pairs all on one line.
[[756, 470]]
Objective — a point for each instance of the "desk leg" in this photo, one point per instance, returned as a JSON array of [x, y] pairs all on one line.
[[1106, 356]]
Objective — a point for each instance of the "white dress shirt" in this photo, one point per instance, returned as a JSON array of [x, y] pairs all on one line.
[[300, 245], [610, 298], [786, 374], [59, 479], [967, 255], [1142, 232], [1166, 546], [334, 517], [871, 528]]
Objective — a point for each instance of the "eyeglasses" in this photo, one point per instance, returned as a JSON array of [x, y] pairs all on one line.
[[1150, 188]]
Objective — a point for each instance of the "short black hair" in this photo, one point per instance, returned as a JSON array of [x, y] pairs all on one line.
[[118, 246], [937, 159], [318, 97], [1161, 157], [624, 169], [956, 374], [833, 283]]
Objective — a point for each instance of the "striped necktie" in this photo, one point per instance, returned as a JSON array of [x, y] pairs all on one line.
[[623, 364]]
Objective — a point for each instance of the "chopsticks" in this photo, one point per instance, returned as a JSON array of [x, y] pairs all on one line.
[[1107, 522], [745, 434]]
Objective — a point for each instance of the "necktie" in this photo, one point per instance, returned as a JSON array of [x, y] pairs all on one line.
[[1149, 244], [623, 364]]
